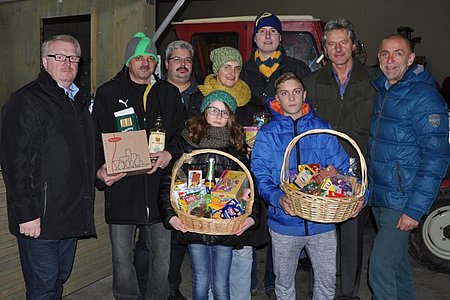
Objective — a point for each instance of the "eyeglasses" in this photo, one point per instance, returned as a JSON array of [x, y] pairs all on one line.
[[178, 60], [264, 31], [214, 111], [62, 57]]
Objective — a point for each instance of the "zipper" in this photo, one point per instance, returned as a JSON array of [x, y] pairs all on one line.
[[297, 147], [397, 175], [45, 199]]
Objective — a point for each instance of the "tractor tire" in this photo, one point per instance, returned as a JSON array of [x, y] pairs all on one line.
[[429, 243]]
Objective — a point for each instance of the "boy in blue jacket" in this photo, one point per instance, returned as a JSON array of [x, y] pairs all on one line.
[[291, 116]]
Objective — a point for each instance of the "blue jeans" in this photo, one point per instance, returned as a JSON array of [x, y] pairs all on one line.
[[125, 284], [210, 268], [390, 274], [240, 273], [46, 265]]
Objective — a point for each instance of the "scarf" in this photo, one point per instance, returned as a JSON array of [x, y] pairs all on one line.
[[270, 65], [215, 138], [240, 91]]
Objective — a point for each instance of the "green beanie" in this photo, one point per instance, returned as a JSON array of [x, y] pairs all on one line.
[[222, 55], [140, 45], [219, 96]]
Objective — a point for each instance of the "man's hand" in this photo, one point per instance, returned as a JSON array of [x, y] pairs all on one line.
[[248, 222], [405, 223], [162, 160], [31, 228], [286, 205], [108, 179], [176, 223]]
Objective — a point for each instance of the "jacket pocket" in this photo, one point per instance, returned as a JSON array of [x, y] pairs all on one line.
[[397, 177], [44, 198]]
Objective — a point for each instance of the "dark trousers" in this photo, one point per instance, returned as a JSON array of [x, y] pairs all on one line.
[[350, 236], [46, 266], [177, 253], [141, 255], [269, 276]]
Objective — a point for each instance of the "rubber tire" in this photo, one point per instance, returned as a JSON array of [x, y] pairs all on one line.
[[418, 248]]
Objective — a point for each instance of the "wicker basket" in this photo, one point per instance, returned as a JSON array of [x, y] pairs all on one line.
[[319, 208], [209, 225]]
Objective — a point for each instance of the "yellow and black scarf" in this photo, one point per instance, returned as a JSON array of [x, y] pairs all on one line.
[[270, 65]]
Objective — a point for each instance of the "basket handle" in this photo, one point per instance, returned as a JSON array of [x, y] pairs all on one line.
[[284, 173]]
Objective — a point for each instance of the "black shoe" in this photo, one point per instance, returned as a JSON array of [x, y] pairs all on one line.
[[176, 295], [271, 294]]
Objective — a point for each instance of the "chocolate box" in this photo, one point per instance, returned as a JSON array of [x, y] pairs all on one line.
[[231, 185]]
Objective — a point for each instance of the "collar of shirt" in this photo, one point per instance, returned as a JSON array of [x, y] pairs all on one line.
[[342, 86], [73, 89]]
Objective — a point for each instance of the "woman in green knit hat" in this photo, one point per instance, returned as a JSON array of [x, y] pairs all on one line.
[[227, 65]]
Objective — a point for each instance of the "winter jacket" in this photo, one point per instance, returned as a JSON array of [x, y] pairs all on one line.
[[133, 199], [408, 144], [267, 158], [201, 162], [349, 113], [263, 87], [47, 156]]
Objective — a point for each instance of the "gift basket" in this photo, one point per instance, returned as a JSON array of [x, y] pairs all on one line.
[[320, 208], [227, 193]]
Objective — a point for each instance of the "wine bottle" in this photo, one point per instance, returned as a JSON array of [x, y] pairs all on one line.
[[157, 137], [210, 180]]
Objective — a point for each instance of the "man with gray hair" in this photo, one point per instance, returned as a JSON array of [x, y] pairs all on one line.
[[341, 93], [179, 62]]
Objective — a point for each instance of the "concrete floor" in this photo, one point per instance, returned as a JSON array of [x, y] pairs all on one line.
[[429, 285]]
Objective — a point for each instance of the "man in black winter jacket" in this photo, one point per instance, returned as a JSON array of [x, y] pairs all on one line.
[[341, 94], [131, 201], [47, 156], [269, 59]]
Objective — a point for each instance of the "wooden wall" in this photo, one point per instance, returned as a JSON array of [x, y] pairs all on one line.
[[113, 23]]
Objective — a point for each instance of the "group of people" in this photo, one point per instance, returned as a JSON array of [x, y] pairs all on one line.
[[52, 159]]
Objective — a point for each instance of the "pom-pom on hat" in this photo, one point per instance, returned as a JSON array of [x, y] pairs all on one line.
[[139, 45], [222, 55], [219, 96], [267, 19]]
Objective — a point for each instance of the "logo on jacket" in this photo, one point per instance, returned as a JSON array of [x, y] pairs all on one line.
[[434, 120], [124, 102]]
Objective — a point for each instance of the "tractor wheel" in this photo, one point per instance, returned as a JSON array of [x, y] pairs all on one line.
[[429, 244]]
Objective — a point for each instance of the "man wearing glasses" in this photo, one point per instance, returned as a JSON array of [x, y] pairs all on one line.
[[179, 64], [132, 201], [47, 155], [269, 59]]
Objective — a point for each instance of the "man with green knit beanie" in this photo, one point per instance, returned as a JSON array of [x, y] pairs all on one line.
[[132, 201]]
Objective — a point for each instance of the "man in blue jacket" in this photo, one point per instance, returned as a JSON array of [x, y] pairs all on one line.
[[408, 158], [291, 115]]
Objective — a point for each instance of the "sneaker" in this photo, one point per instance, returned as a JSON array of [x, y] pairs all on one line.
[[271, 294], [176, 295]]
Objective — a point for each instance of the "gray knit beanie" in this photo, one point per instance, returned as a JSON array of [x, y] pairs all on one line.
[[140, 45]]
